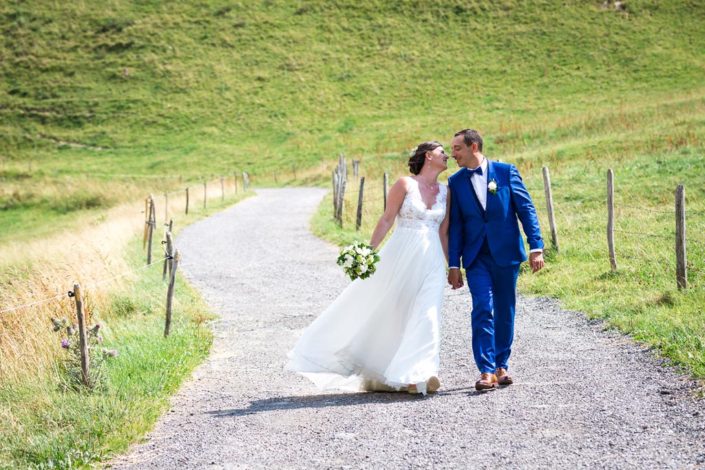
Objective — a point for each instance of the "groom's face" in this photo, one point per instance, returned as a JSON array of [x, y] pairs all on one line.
[[461, 152]]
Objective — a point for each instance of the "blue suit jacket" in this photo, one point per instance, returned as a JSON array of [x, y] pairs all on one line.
[[469, 223]]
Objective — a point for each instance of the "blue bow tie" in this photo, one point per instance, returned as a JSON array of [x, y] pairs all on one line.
[[477, 170]]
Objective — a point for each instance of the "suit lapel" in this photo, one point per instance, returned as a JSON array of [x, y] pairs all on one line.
[[491, 198]]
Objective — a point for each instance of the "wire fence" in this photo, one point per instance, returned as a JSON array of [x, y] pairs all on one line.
[[91, 285], [345, 200], [626, 218], [150, 222]]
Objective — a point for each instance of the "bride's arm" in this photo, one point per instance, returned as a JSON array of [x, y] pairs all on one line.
[[443, 229], [395, 198]]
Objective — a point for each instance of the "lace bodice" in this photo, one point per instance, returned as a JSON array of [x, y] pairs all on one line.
[[415, 215]]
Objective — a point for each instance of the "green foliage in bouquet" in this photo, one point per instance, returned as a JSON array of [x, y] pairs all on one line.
[[359, 260]]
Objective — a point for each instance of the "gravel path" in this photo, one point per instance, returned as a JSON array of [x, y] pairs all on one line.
[[584, 397]]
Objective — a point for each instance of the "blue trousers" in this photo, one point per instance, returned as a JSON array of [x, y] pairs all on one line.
[[493, 290]]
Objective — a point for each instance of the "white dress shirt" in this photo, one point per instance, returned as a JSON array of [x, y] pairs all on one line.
[[479, 183]]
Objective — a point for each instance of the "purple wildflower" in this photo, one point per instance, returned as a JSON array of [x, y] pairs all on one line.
[[65, 343]]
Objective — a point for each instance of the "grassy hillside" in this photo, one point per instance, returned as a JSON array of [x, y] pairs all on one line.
[[114, 90], [193, 88]]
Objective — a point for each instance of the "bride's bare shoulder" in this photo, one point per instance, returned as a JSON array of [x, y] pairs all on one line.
[[404, 182]]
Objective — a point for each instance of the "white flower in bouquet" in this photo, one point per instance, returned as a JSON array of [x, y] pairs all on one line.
[[358, 260]]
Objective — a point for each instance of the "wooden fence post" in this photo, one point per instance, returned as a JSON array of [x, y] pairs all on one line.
[[335, 196], [343, 166], [358, 221], [356, 168], [166, 207], [681, 259], [186, 201], [146, 223], [205, 193], [170, 292], [152, 223], [235, 181], [610, 219], [168, 254], [341, 180], [384, 189], [549, 207], [82, 336], [245, 181], [222, 188]]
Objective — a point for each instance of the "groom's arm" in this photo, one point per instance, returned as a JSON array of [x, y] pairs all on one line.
[[455, 241], [526, 212], [455, 233]]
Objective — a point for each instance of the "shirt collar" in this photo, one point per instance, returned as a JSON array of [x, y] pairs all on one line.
[[483, 165]]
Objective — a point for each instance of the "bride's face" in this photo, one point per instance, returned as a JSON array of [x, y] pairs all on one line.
[[439, 159]]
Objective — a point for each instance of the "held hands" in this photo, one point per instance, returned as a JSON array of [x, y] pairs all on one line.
[[454, 278], [536, 261]]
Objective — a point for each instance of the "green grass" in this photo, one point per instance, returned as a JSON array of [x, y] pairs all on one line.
[[641, 298], [42, 425], [45, 426], [52, 428]]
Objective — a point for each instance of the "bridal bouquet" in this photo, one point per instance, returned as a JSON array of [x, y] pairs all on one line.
[[358, 260]]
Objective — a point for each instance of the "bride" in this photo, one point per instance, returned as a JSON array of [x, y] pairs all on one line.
[[382, 333]]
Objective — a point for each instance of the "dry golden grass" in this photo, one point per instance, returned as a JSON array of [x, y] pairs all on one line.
[[93, 255]]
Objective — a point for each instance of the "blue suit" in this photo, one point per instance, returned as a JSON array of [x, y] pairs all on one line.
[[489, 243]]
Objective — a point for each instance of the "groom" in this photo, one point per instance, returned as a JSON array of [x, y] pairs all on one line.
[[487, 198]]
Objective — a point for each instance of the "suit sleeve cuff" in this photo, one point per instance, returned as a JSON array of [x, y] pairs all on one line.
[[536, 250]]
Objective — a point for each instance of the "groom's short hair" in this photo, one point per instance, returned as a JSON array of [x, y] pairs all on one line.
[[470, 136]]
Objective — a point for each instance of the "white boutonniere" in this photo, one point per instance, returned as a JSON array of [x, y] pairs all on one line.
[[492, 187]]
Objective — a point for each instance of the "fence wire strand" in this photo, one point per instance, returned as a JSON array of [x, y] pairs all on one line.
[[644, 234], [92, 285], [124, 273]]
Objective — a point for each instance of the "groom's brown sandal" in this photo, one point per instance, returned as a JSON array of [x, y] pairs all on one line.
[[487, 381], [503, 377]]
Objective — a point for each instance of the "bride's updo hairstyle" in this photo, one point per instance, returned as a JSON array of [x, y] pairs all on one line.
[[418, 155]]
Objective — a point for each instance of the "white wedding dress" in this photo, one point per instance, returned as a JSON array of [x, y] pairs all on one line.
[[384, 329]]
